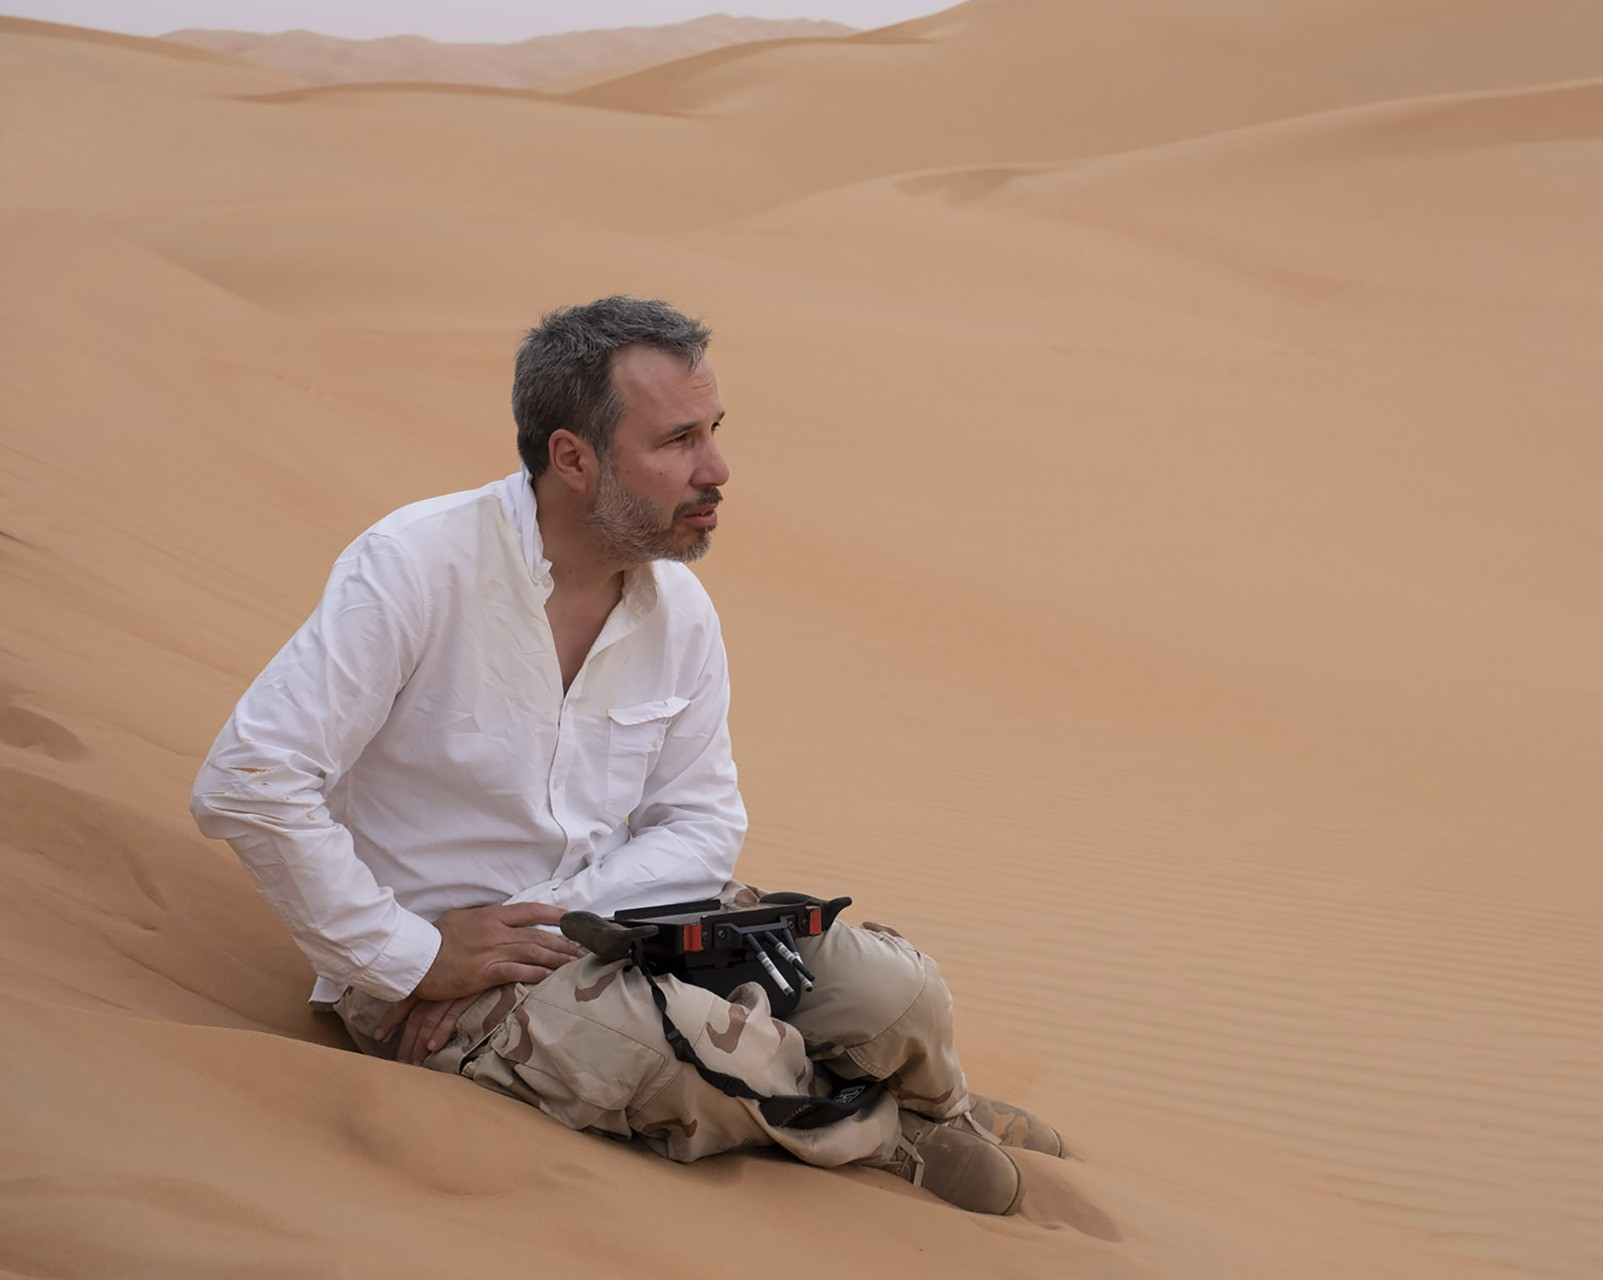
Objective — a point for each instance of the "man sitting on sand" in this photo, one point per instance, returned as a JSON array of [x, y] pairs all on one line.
[[511, 703]]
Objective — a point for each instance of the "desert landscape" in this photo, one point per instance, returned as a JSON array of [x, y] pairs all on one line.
[[1160, 575]]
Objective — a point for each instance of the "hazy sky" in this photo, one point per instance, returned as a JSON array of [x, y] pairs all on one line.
[[461, 20]]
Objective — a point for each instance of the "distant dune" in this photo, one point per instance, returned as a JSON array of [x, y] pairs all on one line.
[[1160, 571], [544, 62]]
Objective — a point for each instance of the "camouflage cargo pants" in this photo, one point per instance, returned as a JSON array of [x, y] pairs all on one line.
[[586, 1047]]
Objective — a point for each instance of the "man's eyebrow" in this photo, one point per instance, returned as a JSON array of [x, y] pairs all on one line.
[[668, 433]]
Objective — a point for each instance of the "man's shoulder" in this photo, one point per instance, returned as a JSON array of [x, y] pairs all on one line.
[[436, 533], [420, 519], [681, 592]]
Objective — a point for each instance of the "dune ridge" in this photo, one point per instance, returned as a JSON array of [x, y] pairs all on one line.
[[1159, 573], [543, 62]]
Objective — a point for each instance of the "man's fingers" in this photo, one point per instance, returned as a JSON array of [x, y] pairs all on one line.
[[446, 1024], [525, 943], [473, 940], [558, 942], [429, 1027], [522, 914], [415, 1039], [426, 1022], [406, 1051], [392, 1019], [537, 956]]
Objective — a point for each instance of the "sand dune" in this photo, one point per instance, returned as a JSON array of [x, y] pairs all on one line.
[[1019, 80], [543, 62], [1356, 210], [1159, 573]]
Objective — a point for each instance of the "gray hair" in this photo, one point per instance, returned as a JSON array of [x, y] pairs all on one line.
[[563, 375]]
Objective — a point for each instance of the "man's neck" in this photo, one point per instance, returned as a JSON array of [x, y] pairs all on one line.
[[580, 565]]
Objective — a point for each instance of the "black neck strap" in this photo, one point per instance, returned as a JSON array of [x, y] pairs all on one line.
[[847, 1098]]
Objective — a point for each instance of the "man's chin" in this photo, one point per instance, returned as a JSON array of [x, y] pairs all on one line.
[[694, 550], [680, 543]]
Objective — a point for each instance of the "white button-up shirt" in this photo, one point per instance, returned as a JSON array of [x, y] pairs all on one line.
[[411, 749]]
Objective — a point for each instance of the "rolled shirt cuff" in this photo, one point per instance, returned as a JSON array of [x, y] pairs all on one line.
[[395, 972]]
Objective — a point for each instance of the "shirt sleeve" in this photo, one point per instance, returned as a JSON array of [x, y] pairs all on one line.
[[264, 786], [689, 824]]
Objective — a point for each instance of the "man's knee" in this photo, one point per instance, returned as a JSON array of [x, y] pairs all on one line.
[[871, 984]]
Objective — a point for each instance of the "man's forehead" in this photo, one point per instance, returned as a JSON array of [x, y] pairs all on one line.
[[649, 379]]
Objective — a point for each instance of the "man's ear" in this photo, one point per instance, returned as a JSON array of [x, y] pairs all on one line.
[[573, 461]]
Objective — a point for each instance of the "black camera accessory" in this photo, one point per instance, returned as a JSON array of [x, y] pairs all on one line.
[[720, 948]]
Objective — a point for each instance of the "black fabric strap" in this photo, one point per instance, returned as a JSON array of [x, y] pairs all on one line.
[[782, 1111]]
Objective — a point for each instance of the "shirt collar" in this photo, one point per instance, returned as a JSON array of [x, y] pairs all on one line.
[[640, 586], [517, 496]]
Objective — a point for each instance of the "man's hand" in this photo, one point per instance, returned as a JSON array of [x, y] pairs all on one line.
[[429, 1024], [483, 947], [480, 948]]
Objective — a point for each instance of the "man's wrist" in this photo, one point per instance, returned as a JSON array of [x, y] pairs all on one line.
[[405, 961]]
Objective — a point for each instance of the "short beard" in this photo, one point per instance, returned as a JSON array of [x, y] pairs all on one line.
[[632, 530]]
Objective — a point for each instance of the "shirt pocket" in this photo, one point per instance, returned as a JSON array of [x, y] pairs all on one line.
[[634, 741]]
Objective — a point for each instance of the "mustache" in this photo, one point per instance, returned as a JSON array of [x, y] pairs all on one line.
[[711, 496]]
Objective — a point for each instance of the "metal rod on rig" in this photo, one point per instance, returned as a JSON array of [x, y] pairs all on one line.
[[782, 946], [768, 965]]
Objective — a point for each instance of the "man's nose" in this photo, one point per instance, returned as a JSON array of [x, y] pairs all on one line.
[[713, 471]]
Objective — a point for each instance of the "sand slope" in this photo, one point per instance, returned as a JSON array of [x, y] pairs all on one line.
[[1159, 575]]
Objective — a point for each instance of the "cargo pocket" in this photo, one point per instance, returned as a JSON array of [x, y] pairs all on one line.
[[578, 1070], [634, 740]]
